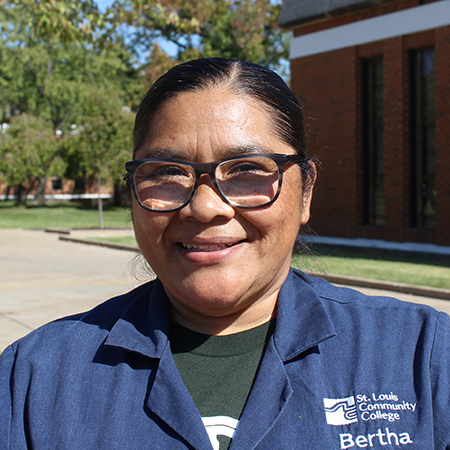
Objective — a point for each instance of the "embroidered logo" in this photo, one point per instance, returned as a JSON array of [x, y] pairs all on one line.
[[340, 411]]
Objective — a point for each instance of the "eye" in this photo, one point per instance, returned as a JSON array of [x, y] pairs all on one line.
[[161, 172], [169, 171], [248, 168]]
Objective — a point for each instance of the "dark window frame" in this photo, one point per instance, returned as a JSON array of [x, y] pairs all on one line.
[[57, 183], [423, 138], [373, 165]]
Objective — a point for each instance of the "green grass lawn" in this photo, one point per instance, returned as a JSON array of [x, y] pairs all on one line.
[[409, 269], [61, 215]]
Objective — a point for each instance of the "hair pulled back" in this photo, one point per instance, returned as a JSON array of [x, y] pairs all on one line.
[[240, 77]]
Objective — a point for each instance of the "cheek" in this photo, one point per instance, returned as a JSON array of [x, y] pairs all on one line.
[[148, 228], [287, 217], [278, 227], [139, 223]]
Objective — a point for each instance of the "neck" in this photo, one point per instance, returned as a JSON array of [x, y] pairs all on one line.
[[221, 325]]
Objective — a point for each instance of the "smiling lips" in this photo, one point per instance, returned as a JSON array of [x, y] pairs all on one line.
[[207, 247]]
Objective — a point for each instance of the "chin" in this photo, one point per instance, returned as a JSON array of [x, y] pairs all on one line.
[[219, 294]]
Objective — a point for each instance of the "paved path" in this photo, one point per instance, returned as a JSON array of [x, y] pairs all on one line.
[[43, 278]]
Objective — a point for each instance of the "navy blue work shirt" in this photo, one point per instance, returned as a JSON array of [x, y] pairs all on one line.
[[341, 371]]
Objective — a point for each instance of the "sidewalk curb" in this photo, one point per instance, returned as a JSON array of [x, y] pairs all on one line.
[[133, 248], [424, 291]]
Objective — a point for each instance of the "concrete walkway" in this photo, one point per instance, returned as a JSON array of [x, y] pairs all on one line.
[[43, 278]]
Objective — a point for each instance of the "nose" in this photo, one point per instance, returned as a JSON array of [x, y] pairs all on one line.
[[206, 204]]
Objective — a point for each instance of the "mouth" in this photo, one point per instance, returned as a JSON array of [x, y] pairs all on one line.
[[207, 247]]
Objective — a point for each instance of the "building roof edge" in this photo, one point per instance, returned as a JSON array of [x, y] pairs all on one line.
[[296, 12]]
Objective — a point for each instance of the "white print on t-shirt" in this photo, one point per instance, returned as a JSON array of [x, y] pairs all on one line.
[[219, 426]]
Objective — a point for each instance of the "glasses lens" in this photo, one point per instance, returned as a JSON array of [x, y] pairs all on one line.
[[163, 186], [248, 182]]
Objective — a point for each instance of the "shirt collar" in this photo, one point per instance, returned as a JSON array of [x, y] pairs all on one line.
[[144, 325], [302, 320]]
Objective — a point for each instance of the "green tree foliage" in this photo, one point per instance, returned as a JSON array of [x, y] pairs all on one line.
[[52, 81], [241, 29], [52, 57], [29, 150], [103, 143], [53, 21]]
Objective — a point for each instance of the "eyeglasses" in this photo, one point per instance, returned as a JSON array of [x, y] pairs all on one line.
[[247, 181]]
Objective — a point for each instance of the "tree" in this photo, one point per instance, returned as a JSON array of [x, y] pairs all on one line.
[[51, 57], [160, 63], [59, 97], [53, 21], [29, 149], [241, 29], [104, 141], [52, 82]]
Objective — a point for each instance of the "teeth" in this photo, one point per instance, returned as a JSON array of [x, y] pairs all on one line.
[[206, 248]]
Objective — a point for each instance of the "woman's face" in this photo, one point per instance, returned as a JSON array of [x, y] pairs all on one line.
[[221, 266]]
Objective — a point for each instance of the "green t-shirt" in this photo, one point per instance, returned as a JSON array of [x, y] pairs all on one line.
[[219, 372]]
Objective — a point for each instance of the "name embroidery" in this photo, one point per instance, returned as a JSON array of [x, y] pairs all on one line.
[[368, 408], [348, 440]]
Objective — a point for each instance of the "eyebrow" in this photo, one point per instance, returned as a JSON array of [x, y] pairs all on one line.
[[229, 152], [224, 152], [165, 153]]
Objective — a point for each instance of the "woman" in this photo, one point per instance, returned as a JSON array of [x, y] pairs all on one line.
[[229, 347]]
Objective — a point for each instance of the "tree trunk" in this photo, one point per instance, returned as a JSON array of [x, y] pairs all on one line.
[[39, 198], [21, 195], [100, 202]]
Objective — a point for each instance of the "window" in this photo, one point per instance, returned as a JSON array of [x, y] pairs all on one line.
[[80, 184], [423, 148], [56, 183], [373, 141]]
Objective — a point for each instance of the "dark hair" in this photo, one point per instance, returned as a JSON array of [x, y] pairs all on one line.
[[241, 77]]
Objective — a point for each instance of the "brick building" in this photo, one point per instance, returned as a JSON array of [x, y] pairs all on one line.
[[374, 79]]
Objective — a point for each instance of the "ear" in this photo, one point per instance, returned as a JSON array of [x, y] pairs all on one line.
[[307, 194]]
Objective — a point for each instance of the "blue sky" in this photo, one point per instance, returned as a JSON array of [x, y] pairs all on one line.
[[102, 4]]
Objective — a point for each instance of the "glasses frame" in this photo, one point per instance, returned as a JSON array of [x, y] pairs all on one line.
[[210, 169]]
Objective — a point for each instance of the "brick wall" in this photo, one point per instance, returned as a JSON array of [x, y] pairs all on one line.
[[396, 138], [326, 86], [329, 87]]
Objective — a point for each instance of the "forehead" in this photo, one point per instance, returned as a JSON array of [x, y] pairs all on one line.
[[211, 124]]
